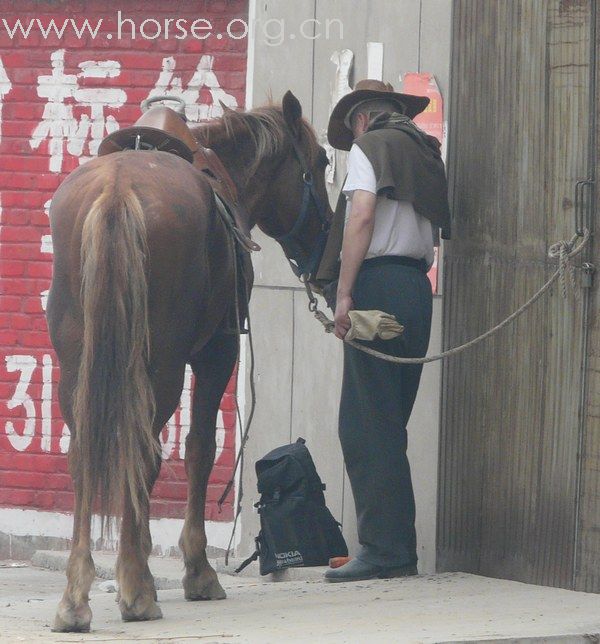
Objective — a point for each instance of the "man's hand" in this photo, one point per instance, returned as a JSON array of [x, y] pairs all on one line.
[[341, 319]]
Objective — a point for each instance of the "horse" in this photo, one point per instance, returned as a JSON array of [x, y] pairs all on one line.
[[144, 282]]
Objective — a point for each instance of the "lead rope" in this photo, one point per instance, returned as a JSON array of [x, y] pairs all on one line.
[[244, 432], [564, 251], [244, 435]]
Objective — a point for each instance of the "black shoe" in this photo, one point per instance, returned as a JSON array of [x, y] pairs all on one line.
[[402, 571], [358, 570]]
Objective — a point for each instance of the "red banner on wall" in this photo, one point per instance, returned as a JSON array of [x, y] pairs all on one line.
[[59, 96]]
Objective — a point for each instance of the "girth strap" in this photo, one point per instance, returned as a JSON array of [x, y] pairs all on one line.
[[207, 161]]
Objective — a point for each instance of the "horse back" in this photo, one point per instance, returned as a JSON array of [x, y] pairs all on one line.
[[188, 261]]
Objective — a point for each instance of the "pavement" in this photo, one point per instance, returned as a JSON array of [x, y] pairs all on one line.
[[168, 571], [449, 607]]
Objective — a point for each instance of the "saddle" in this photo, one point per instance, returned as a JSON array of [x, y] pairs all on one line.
[[162, 128]]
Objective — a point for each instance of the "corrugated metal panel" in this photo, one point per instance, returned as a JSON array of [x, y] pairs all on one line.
[[509, 435]]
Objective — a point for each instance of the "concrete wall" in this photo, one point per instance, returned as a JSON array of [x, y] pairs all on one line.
[[298, 367]]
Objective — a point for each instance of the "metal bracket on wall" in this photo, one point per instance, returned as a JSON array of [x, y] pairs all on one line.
[[588, 270], [580, 223]]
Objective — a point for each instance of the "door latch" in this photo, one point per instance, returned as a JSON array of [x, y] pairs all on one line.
[[587, 276]]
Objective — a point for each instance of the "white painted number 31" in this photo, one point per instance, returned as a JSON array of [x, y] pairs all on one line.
[[26, 365], [21, 439]]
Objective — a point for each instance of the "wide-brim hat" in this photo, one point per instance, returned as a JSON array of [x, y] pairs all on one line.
[[340, 136]]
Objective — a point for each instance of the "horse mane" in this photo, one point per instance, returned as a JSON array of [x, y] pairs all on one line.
[[264, 126]]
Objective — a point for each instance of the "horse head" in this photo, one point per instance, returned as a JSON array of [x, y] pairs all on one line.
[[273, 156]]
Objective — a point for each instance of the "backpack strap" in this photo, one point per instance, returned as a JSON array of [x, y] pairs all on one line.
[[253, 557]]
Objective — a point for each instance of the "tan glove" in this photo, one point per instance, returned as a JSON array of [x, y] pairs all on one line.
[[368, 325]]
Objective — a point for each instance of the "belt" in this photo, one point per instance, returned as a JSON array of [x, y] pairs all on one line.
[[385, 260]]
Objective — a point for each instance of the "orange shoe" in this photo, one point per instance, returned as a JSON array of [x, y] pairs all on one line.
[[338, 562]]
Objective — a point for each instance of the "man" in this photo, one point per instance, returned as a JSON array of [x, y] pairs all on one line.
[[393, 201]]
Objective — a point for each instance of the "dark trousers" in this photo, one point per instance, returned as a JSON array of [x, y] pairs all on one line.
[[376, 403]]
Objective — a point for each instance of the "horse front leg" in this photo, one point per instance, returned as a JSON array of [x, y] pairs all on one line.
[[212, 368], [137, 593]]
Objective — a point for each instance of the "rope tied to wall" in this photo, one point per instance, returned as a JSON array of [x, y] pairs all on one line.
[[562, 251]]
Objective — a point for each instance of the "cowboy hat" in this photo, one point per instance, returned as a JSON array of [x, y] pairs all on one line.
[[340, 136]]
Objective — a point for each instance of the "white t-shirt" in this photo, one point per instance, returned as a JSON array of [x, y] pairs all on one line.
[[398, 230]]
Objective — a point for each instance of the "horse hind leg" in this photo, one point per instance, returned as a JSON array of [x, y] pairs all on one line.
[[212, 369], [74, 613]]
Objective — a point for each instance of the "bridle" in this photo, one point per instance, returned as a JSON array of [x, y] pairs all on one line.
[[305, 265]]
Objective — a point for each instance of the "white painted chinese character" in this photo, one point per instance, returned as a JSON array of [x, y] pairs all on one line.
[[204, 76], [5, 87], [97, 125], [59, 124]]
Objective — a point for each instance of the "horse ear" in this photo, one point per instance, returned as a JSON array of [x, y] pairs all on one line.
[[292, 112], [226, 108]]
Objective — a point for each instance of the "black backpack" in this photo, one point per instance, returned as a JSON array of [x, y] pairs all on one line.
[[296, 528]]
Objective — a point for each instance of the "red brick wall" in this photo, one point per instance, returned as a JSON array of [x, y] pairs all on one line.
[[58, 97]]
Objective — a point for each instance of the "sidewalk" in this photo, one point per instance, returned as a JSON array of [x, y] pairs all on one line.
[[450, 607], [168, 571]]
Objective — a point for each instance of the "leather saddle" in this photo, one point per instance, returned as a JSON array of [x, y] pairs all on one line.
[[162, 128]]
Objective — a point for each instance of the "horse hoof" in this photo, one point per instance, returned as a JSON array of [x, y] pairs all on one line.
[[72, 620], [143, 609], [203, 587]]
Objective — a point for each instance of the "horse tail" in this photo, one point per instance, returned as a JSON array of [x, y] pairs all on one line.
[[113, 405]]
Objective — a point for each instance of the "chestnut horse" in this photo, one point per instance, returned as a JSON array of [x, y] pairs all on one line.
[[143, 284]]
